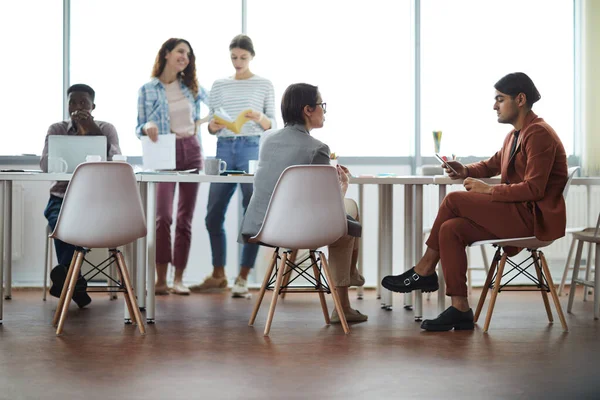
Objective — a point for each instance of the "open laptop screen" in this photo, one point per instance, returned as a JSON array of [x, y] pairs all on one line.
[[74, 149]]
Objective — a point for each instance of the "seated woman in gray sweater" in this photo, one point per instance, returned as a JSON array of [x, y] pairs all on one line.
[[303, 109]]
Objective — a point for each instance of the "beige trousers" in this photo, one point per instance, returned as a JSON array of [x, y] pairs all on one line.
[[343, 255]]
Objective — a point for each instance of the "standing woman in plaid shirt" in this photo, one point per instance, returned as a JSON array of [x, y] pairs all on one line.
[[170, 105]]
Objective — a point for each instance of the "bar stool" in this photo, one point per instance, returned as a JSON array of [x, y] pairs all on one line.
[[591, 236]]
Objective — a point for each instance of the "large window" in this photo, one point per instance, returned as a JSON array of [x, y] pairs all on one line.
[[358, 53], [468, 45], [116, 52], [31, 70]]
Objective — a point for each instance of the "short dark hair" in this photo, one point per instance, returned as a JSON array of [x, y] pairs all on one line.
[[295, 98], [243, 42], [80, 87], [518, 82]]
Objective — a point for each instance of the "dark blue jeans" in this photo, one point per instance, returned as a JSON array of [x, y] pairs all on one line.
[[236, 151], [64, 251]]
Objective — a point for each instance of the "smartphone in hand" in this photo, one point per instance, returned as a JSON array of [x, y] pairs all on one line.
[[445, 163]]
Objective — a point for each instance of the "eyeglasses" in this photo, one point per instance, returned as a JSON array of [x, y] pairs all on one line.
[[324, 105]]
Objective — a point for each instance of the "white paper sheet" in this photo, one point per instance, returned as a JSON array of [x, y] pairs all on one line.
[[158, 155]]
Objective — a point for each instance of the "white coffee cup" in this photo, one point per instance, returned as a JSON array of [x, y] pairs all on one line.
[[93, 158], [252, 166], [214, 166], [57, 165], [119, 157]]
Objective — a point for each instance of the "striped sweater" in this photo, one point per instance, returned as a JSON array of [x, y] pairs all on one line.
[[235, 96]]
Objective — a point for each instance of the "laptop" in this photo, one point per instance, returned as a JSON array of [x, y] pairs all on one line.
[[74, 150]]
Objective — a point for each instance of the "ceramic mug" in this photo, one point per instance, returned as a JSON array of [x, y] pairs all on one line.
[[93, 158], [119, 157], [57, 165], [252, 166], [214, 166]]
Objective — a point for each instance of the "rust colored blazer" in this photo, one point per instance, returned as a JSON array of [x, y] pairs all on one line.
[[536, 175]]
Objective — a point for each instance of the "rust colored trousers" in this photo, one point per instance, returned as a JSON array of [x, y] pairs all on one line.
[[467, 217]]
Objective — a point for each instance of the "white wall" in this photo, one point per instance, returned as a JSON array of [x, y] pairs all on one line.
[[591, 86]]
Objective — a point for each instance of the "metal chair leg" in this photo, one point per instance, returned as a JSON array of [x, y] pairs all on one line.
[[566, 271]]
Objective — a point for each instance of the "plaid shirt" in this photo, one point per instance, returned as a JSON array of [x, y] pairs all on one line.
[[153, 106]]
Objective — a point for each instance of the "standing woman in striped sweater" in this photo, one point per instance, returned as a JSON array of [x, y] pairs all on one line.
[[243, 91], [170, 105]]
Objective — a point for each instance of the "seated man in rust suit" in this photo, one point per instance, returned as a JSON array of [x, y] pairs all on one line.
[[533, 166]]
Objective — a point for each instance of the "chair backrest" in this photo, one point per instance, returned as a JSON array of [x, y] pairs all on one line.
[[306, 210], [572, 171], [102, 207]]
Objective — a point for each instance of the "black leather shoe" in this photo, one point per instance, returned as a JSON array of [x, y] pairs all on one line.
[[409, 281], [450, 318], [80, 296], [58, 275]]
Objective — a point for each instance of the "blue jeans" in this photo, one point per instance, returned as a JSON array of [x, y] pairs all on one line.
[[64, 251], [236, 151]]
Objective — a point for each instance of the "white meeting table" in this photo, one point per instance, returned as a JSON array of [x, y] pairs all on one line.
[[143, 254], [6, 184], [144, 265], [148, 188], [385, 240], [413, 229]]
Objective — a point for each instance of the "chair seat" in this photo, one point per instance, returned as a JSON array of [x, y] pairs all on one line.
[[587, 236], [575, 229], [530, 242]]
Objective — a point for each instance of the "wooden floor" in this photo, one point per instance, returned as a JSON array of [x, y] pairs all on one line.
[[202, 348]]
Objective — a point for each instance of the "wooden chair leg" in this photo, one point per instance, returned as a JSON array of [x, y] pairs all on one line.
[[127, 299], [486, 285], [287, 276], [553, 293], [575, 275], [263, 288], [566, 271], [334, 294], [321, 294], [484, 258], [130, 292], [275, 294], [488, 317], [538, 270], [63, 293], [71, 289]]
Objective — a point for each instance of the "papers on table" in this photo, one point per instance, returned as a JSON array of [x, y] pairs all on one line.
[[158, 155]]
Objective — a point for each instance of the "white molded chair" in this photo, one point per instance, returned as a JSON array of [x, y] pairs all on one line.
[[351, 209], [543, 280], [102, 209], [306, 211], [49, 259], [591, 236]]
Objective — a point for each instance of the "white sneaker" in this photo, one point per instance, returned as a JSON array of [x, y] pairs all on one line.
[[180, 288], [240, 288]]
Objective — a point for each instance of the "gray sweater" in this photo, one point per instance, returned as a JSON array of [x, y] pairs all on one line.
[[279, 149]]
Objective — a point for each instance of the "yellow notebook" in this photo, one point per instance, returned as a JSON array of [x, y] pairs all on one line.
[[234, 126]]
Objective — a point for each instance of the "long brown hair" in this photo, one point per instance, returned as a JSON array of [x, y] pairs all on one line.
[[188, 75]]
